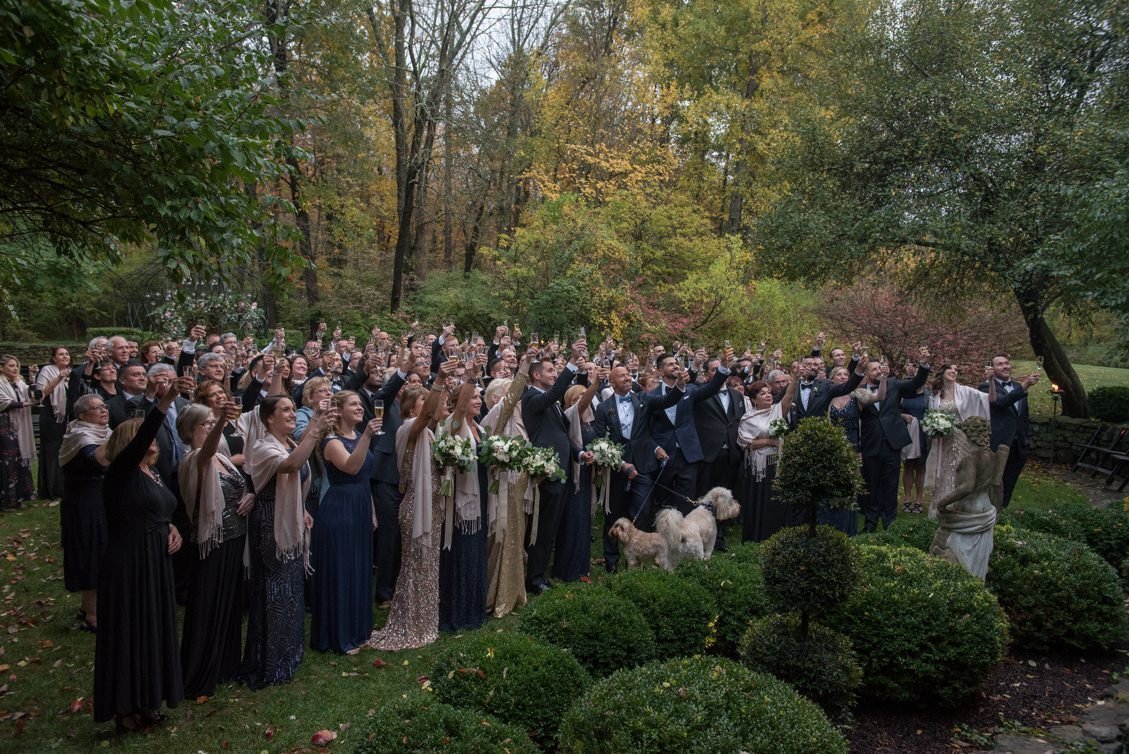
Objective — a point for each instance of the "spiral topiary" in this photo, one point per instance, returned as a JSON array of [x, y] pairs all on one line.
[[604, 631], [808, 574], [738, 590], [513, 677], [696, 705], [925, 630], [823, 667], [678, 612]]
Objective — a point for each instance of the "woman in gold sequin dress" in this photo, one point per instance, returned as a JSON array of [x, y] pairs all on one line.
[[413, 621]]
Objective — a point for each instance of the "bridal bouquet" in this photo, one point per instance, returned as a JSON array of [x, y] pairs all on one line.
[[777, 428], [501, 453], [541, 463], [451, 452], [607, 454], [938, 423]]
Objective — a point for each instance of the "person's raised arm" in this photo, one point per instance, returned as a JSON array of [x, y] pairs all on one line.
[[351, 463], [133, 453], [789, 397], [310, 439], [599, 374], [212, 441], [431, 405]]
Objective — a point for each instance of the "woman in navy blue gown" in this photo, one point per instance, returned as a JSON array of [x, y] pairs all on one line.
[[462, 568], [573, 556], [341, 545]]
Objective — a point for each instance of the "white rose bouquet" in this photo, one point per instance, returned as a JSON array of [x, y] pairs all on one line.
[[501, 453], [938, 423], [541, 463], [452, 452], [778, 428]]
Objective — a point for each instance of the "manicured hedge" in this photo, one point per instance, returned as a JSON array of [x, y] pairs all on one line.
[[738, 591], [678, 612], [420, 724]]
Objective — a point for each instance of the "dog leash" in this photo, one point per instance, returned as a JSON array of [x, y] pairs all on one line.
[[650, 492]]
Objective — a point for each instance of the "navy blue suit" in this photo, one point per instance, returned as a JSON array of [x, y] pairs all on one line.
[[628, 497], [884, 434], [680, 441]]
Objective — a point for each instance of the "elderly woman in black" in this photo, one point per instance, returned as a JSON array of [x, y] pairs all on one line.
[[52, 382], [82, 517], [137, 658]]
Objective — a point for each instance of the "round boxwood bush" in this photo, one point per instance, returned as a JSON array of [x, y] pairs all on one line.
[[906, 531], [1105, 530], [805, 573], [925, 630], [823, 667], [514, 677], [738, 591], [420, 723], [678, 612], [604, 631], [696, 704], [1056, 592]]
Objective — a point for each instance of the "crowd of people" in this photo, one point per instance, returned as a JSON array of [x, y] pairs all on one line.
[[255, 484]]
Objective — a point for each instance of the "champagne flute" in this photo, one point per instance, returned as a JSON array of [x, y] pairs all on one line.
[[534, 338], [1039, 362], [583, 334], [378, 412]]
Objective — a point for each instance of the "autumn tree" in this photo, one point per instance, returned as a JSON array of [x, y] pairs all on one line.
[[981, 137]]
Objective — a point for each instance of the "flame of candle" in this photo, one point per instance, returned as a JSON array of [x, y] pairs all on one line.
[[1054, 388]]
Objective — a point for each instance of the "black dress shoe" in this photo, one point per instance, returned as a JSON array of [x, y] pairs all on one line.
[[611, 567], [541, 588]]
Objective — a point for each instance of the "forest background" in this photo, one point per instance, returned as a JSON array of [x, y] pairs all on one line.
[[953, 171]]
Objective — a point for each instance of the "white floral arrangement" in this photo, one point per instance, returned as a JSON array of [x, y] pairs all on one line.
[[453, 451], [541, 463], [606, 454], [502, 451], [778, 428], [938, 423]]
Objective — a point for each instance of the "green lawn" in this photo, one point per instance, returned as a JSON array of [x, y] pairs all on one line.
[[1092, 377], [46, 665]]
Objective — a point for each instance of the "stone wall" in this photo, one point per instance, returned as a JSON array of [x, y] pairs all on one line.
[[1054, 440]]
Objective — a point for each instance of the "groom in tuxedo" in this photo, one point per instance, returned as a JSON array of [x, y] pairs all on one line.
[[1010, 421], [548, 428], [814, 395], [627, 418], [884, 434], [675, 432]]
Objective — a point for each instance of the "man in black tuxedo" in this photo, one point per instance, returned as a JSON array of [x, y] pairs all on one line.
[[884, 434], [814, 393], [132, 384], [675, 432], [548, 428], [1010, 420], [716, 420], [370, 385], [626, 418]]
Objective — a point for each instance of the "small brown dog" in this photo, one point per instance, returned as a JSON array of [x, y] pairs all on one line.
[[642, 546]]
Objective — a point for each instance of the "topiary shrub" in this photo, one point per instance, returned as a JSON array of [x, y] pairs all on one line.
[[823, 667], [514, 677], [699, 704], [738, 591], [811, 574], [679, 613], [906, 531], [1105, 530], [420, 723], [1057, 593], [603, 630], [818, 468], [1109, 403], [925, 630]]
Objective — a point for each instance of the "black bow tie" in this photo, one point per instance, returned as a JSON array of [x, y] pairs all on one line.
[[1005, 384], [807, 385]]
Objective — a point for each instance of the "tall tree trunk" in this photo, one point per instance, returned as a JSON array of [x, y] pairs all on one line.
[[472, 238], [1055, 361], [448, 169]]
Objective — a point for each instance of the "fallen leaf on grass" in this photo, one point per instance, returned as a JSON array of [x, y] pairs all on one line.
[[76, 706], [202, 699], [322, 737], [46, 644], [269, 732], [472, 671], [378, 663], [586, 580]]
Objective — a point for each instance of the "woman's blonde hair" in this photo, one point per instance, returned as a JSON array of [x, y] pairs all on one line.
[[572, 395], [310, 386], [340, 398], [4, 359], [122, 436], [496, 389], [409, 394]]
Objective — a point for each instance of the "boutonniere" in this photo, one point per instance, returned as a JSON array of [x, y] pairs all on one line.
[[815, 390]]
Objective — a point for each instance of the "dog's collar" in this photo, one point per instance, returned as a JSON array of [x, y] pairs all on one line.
[[710, 508]]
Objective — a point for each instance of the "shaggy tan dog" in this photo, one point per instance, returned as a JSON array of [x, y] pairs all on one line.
[[696, 533], [642, 546]]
